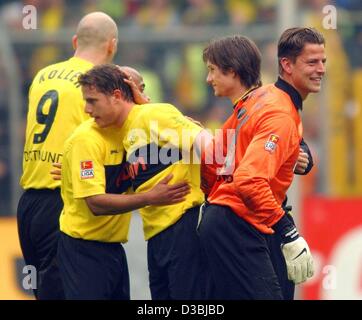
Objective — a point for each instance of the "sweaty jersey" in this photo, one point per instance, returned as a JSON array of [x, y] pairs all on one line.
[[93, 163], [158, 142], [260, 157], [56, 108]]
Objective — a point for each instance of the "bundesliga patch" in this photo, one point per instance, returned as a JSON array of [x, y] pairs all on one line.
[[86, 169], [271, 144]]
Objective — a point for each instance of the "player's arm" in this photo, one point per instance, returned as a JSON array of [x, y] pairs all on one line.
[[273, 143], [212, 159], [303, 166], [201, 148], [161, 194], [176, 130], [208, 168], [198, 123], [56, 172], [213, 156], [107, 204], [203, 151]]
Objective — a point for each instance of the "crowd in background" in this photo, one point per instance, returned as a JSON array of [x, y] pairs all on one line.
[[175, 72]]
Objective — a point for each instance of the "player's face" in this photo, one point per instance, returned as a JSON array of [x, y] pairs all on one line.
[[138, 80], [222, 83], [101, 107], [308, 70]]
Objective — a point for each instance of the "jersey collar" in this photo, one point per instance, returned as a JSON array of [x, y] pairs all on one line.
[[78, 60], [291, 91], [244, 96], [130, 118]]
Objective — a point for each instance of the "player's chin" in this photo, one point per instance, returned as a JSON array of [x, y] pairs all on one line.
[[100, 123], [315, 88]]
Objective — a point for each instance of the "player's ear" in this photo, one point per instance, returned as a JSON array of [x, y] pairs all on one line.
[[286, 65], [75, 42], [117, 94], [234, 74], [112, 46]]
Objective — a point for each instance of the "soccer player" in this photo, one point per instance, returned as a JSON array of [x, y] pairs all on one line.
[[303, 165], [92, 262], [135, 80], [154, 149], [246, 192], [56, 108]]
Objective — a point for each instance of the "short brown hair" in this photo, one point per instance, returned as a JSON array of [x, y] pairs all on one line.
[[293, 40], [106, 78], [236, 53]]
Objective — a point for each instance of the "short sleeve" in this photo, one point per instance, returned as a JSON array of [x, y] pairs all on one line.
[[87, 162]]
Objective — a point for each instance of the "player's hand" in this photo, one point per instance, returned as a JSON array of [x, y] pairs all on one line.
[[302, 162], [299, 260], [56, 173], [194, 121], [166, 194], [138, 96]]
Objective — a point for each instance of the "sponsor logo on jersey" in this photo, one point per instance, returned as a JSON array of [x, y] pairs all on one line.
[[86, 169]]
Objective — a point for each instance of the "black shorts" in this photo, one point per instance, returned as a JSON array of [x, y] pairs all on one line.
[[238, 258], [38, 227], [175, 262], [93, 270]]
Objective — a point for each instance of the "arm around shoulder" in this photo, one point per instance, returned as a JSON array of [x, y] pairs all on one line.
[[161, 194]]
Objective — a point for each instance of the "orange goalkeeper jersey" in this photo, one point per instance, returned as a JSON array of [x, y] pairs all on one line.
[[266, 130]]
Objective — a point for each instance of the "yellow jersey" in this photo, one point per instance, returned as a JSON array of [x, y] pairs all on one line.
[[93, 163], [158, 142], [56, 108]]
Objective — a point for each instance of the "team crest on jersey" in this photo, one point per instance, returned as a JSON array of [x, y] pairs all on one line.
[[86, 169], [132, 139], [271, 144]]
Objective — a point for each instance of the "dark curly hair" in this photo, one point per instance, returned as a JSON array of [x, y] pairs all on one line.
[[106, 78]]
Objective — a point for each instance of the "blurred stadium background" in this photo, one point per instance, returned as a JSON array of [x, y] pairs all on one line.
[[164, 40]]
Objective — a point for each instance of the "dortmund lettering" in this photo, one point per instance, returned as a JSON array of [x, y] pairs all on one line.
[[44, 156]]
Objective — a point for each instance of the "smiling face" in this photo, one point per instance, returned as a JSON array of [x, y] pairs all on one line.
[[306, 73], [103, 108]]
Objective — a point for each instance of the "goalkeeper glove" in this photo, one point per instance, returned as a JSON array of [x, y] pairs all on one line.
[[296, 251], [298, 259]]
